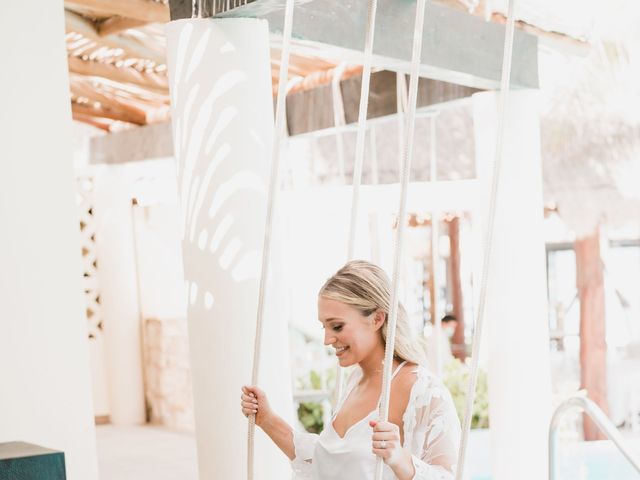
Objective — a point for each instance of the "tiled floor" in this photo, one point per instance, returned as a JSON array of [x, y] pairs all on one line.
[[145, 453]]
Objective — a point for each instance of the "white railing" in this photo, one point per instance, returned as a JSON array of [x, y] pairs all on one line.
[[594, 412]]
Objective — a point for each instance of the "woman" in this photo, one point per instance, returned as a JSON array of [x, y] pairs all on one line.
[[420, 440]]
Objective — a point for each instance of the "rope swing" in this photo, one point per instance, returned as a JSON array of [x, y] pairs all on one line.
[[406, 170], [359, 158], [505, 83], [407, 156], [271, 201]]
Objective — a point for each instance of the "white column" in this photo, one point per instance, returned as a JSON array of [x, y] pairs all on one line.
[[117, 267], [516, 309], [45, 389], [223, 125]]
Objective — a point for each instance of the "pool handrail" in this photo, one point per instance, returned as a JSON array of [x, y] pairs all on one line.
[[588, 406]]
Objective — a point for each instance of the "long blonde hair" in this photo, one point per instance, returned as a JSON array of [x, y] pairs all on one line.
[[366, 287]]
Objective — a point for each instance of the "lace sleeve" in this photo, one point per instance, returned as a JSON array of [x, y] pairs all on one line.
[[304, 444], [432, 429]]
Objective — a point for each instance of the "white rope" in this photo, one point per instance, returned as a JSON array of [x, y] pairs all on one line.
[[435, 235], [401, 107], [406, 170], [499, 153], [359, 158], [339, 119], [271, 200], [362, 121]]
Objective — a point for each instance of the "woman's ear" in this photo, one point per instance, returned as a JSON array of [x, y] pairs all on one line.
[[378, 319]]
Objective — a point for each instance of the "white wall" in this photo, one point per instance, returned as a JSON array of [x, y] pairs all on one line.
[[45, 392]]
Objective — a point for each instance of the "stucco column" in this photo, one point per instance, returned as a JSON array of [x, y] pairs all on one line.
[[516, 308], [120, 299], [221, 95], [45, 392]]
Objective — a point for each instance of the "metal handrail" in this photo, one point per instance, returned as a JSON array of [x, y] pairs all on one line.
[[599, 418]]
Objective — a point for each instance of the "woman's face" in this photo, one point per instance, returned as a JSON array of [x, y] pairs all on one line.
[[351, 334]]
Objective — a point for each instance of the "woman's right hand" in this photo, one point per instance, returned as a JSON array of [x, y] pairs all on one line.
[[254, 402]]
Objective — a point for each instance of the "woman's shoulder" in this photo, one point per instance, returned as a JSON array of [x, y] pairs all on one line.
[[417, 379]]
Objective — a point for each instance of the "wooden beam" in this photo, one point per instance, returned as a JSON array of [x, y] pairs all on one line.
[[561, 40], [102, 124], [457, 47], [126, 110], [458, 347], [593, 345], [102, 111], [382, 100], [113, 25], [144, 10], [142, 143], [153, 81], [75, 23]]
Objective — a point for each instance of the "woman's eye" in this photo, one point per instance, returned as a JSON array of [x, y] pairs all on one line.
[[337, 328]]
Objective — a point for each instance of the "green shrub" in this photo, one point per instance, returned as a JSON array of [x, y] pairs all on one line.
[[456, 378], [310, 415]]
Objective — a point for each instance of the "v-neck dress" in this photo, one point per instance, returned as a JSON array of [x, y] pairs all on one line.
[[431, 434]]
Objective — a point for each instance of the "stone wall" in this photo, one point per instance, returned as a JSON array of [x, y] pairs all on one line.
[[168, 373]]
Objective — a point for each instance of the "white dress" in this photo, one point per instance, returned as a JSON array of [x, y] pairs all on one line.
[[431, 434]]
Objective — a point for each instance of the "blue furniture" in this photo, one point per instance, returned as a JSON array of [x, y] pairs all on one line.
[[24, 461]]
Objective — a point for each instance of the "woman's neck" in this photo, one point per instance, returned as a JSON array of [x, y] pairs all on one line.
[[372, 365]]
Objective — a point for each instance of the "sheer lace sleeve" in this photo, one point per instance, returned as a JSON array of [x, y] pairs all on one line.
[[304, 444], [431, 428]]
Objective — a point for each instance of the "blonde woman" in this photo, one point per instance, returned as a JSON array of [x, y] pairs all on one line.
[[420, 440]]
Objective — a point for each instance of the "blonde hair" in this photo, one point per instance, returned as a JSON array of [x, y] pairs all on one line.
[[366, 287]]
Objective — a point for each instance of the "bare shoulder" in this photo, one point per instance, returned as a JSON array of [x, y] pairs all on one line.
[[401, 392], [403, 383], [405, 380]]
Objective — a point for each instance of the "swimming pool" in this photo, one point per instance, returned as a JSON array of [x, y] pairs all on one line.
[[599, 460]]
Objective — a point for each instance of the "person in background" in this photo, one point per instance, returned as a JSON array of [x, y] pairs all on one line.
[[449, 324]]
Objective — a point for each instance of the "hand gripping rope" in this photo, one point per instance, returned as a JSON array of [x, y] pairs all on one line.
[[406, 170], [271, 200]]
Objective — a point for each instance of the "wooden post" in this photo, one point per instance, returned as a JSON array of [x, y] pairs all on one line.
[[458, 348], [593, 346]]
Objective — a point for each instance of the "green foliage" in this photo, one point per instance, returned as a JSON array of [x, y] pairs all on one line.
[[456, 378], [310, 415]]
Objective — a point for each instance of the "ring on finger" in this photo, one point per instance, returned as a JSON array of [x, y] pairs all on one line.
[[383, 444]]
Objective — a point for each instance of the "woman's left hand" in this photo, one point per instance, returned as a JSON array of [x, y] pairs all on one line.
[[386, 442]]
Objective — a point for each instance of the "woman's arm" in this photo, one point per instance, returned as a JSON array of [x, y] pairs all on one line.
[[254, 401]]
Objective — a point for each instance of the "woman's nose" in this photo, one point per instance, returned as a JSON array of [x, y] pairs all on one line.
[[329, 338]]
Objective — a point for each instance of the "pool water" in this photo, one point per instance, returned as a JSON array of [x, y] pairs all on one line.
[[599, 460]]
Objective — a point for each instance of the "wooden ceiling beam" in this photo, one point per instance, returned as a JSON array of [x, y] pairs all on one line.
[[76, 23], [153, 81], [103, 111], [128, 109], [113, 25], [102, 124], [143, 10], [555, 39]]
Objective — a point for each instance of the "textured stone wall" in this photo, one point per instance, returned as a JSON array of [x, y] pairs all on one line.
[[168, 373]]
